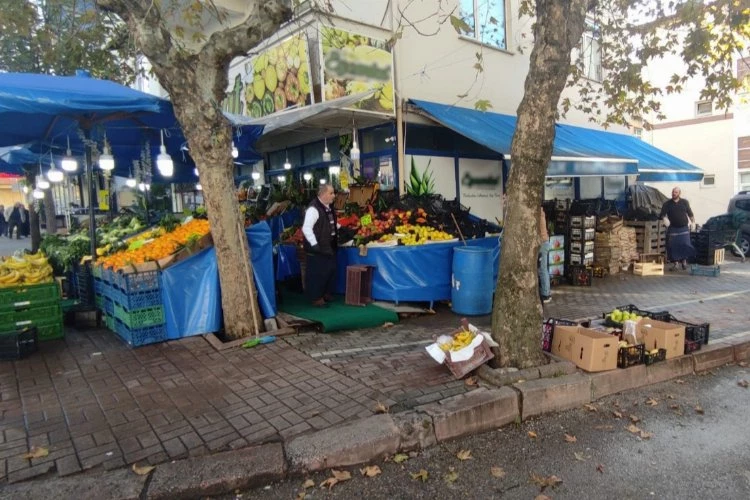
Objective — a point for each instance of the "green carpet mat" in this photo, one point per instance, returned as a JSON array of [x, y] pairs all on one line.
[[337, 316]]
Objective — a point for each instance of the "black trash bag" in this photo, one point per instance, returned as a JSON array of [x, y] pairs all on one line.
[[644, 202]]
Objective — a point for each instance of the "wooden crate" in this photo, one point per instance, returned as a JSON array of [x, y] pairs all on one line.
[[650, 236], [648, 269], [358, 285]]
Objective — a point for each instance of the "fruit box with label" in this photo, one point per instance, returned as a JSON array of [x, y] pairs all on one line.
[[556, 256], [590, 350], [661, 335], [557, 242]]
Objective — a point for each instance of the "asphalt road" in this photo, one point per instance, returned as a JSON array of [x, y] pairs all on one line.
[[692, 442]]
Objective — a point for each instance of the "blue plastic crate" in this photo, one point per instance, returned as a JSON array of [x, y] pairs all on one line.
[[140, 336], [137, 300], [109, 306], [698, 270], [146, 281]]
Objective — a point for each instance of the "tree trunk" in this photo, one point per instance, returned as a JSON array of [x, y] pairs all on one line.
[[517, 310], [49, 212]]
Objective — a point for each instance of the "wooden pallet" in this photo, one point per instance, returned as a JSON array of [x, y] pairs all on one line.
[[648, 269]]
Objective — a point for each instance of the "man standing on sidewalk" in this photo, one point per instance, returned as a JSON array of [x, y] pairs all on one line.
[[320, 230], [544, 247], [680, 216]]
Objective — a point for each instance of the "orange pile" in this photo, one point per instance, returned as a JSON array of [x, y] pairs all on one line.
[[158, 248]]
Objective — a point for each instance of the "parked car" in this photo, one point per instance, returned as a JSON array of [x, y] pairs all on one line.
[[740, 205]]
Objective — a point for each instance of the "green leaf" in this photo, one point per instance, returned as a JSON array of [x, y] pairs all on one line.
[[460, 25], [482, 105]]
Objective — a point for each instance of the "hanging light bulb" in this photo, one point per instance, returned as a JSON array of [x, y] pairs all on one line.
[[334, 170], [354, 152], [131, 183], [38, 194], [307, 176], [148, 187], [25, 189], [163, 161], [322, 181], [326, 153], [198, 187], [255, 176], [42, 183], [141, 187], [281, 178], [287, 164], [53, 174], [235, 151], [68, 163], [106, 160]]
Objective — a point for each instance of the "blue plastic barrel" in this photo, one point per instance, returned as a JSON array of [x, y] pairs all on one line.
[[472, 282]]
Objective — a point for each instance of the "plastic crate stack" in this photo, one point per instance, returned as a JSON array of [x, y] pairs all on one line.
[[581, 233], [131, 305], [28, 308]]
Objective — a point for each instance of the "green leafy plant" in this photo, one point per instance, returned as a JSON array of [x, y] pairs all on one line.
[[420, 184]]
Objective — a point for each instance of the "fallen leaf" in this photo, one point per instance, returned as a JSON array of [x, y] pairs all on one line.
[[652, 402], [542, 497], [381, 408], [400, 457], [497, 472], [616, 404], [532, 434], [679, 381], [645, 435], [330, 483], [604, 427], [617, 414], [670, 396], [387, 324], [36, 452], [308, 484], [632, 428], [730, 310], [471, 381], [464, 455], [579, 456], [422, 474], [301, 495], [743, 364], [674, 406], [142, 471], [570, 439], [591, 407], [635, 419], [338, 476], [699, 409], [545, 482], [451, 477], [600, 468], [370, 471], [743, 383]]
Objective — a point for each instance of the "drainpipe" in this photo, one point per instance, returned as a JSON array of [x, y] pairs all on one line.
[[399, 104]]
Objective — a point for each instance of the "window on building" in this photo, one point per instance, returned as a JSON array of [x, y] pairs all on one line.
[[638, 132], [591, 52], [708, 180], [745, 182], [486, 21], [703, 108]]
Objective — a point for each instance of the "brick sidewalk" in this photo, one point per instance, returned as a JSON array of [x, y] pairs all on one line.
[[94, 402]]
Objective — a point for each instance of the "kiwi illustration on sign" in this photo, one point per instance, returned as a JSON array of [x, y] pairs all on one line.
[[354, 64], [280, 78]]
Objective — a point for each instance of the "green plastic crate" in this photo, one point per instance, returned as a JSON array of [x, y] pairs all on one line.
[[19, 296], [140, 318], [96, 270], [30, 315], [109, 322], [51, 331]]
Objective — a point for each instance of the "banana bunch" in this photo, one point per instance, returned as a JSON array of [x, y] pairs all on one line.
[[26, 269], [460, 340]]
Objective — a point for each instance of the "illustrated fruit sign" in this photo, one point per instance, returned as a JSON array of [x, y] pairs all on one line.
[[352, 64], [278, 78]]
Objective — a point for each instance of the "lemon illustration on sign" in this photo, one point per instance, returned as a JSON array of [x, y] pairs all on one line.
[[303, 75], [281, 68], [269, 76], [260, 63], [386, 97], [259, 86]]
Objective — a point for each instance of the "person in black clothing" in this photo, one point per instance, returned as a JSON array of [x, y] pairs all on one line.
[[680, 216], [14, 221], [25, 222], [320, 230], [3, 222]]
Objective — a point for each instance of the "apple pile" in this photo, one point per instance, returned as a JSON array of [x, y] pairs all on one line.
[[618, 316]]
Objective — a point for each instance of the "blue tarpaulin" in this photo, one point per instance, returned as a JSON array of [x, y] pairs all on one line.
[[577, 151], [43, 111], [191, 292], [410, 273]]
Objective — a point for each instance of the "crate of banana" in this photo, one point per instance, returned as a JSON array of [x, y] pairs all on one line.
[[26, 269], [465, 351]]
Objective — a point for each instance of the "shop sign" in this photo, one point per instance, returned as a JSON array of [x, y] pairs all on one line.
[[276, 79], [481, 187], [104, 199], [352, 64]]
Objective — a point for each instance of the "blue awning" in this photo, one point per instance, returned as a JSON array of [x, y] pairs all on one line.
[[577, 151]]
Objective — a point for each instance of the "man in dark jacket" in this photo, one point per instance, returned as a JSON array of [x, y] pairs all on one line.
[[680, 216], [14, 221], [320, 230]]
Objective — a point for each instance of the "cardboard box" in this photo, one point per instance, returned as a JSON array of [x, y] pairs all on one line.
[[563, 339], [595, 351], [556, 256], [557, 242], [590, 350], [661, 335]]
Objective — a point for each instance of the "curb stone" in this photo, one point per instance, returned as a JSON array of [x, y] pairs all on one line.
[[373, 437]]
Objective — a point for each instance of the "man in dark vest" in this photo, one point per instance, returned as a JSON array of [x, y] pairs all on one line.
[[320, 229]]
